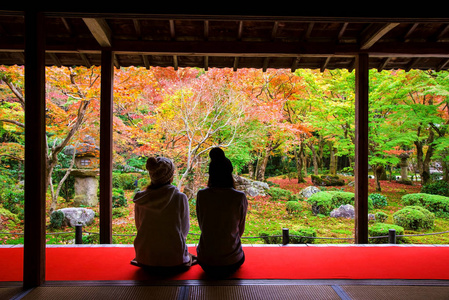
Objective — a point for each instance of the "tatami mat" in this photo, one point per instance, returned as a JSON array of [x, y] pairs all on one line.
[[9, 292], [262, 292], [235, 289], [98, 293], [397, 292]]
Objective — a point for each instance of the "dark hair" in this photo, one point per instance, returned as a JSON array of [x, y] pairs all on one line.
[[220, 170]]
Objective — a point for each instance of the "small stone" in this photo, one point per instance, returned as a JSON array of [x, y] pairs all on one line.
[[309, 191]]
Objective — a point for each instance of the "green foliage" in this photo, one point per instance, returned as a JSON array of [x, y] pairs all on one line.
[[118, 198], [56, 219], [439, 187], [143, 182], [379, 201], [325, 201], [381, 229], [414, 218], [125, 181], [120, 212], [381, 216], [7, 218], [281, 194], [293, 207], [298, 236], [434, 203], [13, 201], [327, 180]]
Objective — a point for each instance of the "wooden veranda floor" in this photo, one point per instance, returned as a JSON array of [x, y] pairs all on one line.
[[270, 272]]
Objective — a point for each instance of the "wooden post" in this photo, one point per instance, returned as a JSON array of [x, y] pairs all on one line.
[[392, 236], [361, 148], [107, 83], [78, 234], [285, 236], [35, 156]]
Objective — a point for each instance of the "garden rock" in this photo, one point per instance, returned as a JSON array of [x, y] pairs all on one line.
[[344, 211], [327, 180], [309, 191], [250, 187], [347, 211], [72, 216]]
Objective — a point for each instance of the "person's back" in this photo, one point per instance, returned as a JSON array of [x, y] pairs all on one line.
[[221, 217], [162, 221], [221, 212]]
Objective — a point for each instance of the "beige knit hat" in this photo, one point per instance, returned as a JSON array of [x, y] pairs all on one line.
[[161, 170]]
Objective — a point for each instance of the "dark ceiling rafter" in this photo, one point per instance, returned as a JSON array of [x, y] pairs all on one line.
[[246, 41]]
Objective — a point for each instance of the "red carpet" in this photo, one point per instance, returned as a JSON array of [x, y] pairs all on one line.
[[112, 263]]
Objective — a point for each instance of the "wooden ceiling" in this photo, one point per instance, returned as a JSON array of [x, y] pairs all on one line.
[[232, 41]]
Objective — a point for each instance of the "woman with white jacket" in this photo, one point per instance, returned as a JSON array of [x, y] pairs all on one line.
[[162, 221]]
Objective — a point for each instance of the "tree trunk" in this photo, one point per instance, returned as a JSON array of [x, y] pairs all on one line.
[[315, 159], [299, 162], [333, 161], [379, 170], [262, 165]]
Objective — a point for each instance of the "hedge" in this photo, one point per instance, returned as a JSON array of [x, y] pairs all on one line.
[[414, 218], [434, 203], [299, 236], [324, 202], [381, 229], [281, 194], [293, 207]]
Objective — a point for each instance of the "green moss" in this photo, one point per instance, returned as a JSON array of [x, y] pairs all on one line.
[[414, 218], [434, 203], [298, 236], [294, 207], [324, 202], [381, 229]]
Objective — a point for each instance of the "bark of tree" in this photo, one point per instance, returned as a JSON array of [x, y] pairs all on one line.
[[333, 160], [314, 158]]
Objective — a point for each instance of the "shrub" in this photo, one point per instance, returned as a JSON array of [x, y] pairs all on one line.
[[118, 198], [321, 202], [7, 219], [381, 216], [13, 200], [57, 219], [325, 202], [381, 229], [414, 218], [125, 181], [293, 207], [281, 194], [439, 187], [120, 212], [434, 203], [379, 201], [299, 236]]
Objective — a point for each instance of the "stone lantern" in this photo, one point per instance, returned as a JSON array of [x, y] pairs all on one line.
[[404, 165], [86, 172]]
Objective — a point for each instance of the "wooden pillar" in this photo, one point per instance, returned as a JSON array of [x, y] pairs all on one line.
[[35, 158], [106, 98], [361, 149]]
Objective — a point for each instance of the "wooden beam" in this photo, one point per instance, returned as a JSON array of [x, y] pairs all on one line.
[[106, 142], [361, 149], [172, 29], [100, 30], [375, 33], [35, 155]]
